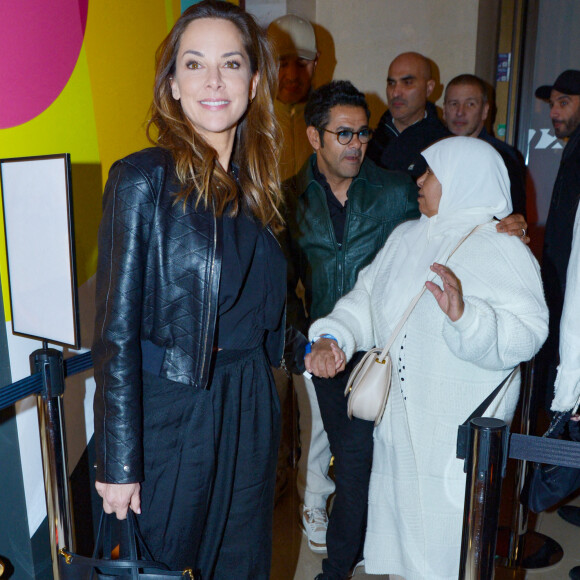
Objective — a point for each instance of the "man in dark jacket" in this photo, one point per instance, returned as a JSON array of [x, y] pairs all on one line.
[[411, 123], [342, 208], [465, 110], [564, 100]]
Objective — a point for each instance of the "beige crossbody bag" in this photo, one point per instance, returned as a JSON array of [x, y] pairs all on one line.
[[370, 381]]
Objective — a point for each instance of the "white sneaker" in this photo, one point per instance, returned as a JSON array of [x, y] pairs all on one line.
[[314, 526]]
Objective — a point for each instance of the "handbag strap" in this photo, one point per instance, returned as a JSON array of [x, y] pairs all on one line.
[[100, 544], [136, 532], [560, 420], [416, 299], [487, 401], [463, 429], [131, 539]]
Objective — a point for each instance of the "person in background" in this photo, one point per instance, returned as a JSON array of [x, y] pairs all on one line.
[[567, 385], [560, 260], [410, 123], [465, 110], [563, 98], [190, 305], [294, 43], [341, 209]]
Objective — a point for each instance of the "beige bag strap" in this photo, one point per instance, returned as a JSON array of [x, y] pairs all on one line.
[[395, 333]]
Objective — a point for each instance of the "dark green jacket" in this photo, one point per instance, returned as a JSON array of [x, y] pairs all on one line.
[[378, 201]]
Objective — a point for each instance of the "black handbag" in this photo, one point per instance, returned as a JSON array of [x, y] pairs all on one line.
[[546, 485], [139, 565]]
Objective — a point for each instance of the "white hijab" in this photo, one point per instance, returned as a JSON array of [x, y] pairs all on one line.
[[475, 188]]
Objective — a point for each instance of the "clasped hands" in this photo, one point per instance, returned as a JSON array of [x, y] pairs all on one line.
[[326, 358]]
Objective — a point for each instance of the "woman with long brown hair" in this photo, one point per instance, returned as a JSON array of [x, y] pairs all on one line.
[[190, 301]]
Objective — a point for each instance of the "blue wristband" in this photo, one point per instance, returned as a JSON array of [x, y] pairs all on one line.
[[308, 347]]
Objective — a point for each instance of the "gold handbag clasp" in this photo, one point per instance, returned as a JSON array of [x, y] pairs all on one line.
[[67, 557]]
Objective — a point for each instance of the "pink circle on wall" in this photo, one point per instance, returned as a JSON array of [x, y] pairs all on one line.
[[40, 42]]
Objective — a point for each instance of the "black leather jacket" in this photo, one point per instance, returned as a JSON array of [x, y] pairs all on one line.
[[158, 278]]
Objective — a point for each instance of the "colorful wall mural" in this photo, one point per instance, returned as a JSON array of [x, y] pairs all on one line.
[[76, 77]]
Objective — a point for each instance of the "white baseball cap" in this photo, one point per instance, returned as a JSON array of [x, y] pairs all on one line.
[[292, 34]]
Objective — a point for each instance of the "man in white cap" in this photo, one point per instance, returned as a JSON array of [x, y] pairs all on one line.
[[295, 46]]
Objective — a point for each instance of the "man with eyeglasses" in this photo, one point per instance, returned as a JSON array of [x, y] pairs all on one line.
[[341, 209]]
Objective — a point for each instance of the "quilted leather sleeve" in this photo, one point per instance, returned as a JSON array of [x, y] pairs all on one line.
[[128, 210]]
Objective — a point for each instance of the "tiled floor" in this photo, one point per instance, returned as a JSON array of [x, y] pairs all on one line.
[[293, 560]]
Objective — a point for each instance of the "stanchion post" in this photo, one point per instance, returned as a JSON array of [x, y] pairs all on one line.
[[527, 549], [520, 513], [485, 467], [49, 362]]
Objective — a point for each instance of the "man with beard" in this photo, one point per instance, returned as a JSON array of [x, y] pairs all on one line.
[[341, 209], [564, 100]]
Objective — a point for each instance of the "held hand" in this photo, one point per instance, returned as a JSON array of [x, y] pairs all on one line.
[[119, 497], [450, 299], [339, 357], [326, 359], [514, 225]]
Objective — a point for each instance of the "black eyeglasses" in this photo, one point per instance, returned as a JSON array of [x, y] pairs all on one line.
[[345, 136]]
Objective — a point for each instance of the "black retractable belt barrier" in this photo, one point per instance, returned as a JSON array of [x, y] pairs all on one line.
[[545, 450], [47, 382], [487, 444], [32, 385]]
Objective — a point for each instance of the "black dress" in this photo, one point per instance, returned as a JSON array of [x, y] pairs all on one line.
[[210, 455]]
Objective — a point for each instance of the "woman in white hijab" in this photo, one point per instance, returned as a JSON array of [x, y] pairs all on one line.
[[483, 314]]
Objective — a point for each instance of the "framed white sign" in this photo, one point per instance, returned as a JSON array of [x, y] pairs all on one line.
[[38, 224]]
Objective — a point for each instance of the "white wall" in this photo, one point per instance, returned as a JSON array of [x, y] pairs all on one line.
[[359, 39], [368, 34], [267, 10]]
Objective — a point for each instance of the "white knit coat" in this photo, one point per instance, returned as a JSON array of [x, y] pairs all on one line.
[[441, 372], [567, 387]]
